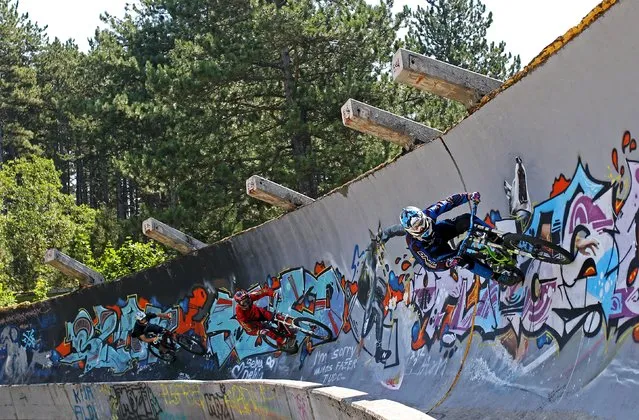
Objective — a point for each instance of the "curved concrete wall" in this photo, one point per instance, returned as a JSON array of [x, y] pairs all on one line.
[[560, 344], [224, 400]]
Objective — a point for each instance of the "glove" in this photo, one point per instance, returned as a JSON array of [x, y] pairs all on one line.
[[453, 262], [475, 197]]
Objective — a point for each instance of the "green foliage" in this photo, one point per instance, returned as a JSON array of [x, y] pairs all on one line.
[[41, 289], [455, 31], [7, 297], [129, 258], [242, 88], [36, 216], [20, 43]]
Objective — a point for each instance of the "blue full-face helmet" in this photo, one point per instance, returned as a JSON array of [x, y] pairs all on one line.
[[416, 223]]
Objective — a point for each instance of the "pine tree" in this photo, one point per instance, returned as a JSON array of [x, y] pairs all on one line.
[[236, 88], [20, 42], [454, 31]]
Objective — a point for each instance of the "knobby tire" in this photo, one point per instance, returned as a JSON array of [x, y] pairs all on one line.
[[540, 249]]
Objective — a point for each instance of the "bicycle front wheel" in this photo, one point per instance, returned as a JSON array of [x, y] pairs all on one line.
[[191, 344], [313, 328], [538, 248]]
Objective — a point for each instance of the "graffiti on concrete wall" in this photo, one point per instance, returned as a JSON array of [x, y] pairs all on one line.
[[21, 352], [387, 311], [596, 294], [100, 338], [317, 294]]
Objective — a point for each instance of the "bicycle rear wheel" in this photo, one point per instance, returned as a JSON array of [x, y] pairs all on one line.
[[539, 249], [191, 344], [168, 356], [314, 328]]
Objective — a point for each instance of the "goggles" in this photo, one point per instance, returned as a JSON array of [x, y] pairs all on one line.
[[420, 226]]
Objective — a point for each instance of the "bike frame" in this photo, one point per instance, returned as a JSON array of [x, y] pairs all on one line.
[[166, 334], [488, 247], [276, 322], [287, 322]]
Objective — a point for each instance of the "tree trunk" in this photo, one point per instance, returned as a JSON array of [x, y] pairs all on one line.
[[1, 144], [301, 138], [122, 196], [80, 186]]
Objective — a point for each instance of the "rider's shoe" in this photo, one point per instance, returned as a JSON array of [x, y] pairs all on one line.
[[381, 355], [291, 346]]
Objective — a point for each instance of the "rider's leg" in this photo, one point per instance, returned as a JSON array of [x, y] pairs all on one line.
[[154, 328], [163, 344], [279, 339], [283, 335], [462, 222], [478, 268]]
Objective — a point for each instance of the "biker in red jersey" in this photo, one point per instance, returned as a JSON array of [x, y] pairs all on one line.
[[253, 318]]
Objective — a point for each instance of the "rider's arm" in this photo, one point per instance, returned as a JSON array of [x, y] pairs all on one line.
[[392, 231], [428, 261], [421, 256], [259, 294], [448, 204], [146, 339]]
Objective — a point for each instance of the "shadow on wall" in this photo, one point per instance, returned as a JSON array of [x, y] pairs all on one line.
[[385, 300]]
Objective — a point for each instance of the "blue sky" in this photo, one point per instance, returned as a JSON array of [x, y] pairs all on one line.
[[527, 26]]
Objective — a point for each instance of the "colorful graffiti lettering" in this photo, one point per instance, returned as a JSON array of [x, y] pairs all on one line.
[[378, 292], [595, 220], [103, 340], [584, 215]]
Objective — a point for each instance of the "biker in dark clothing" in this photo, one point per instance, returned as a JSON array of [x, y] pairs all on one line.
[[147, 332], [427, 238]]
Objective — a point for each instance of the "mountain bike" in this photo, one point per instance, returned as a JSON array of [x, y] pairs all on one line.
[[499, 250], [288, 327], [168, 344]]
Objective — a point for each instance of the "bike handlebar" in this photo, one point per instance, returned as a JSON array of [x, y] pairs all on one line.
[[473, 212]]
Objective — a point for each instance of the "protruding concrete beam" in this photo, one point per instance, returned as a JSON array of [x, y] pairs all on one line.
[[72, 267], [383, 124], [441, 78], [170, 237], [276, 194]]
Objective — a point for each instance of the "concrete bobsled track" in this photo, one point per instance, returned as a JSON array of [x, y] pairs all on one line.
[[563, 344], [234, 399]]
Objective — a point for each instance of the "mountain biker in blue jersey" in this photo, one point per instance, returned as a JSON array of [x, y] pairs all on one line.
[[427, 238]]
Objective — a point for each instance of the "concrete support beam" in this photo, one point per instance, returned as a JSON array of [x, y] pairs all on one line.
[[72, 268], [170, 237], [441, 78], [385, 125], [276, 194]]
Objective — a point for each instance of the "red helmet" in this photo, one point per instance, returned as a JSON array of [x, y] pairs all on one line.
[[240, 295]]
